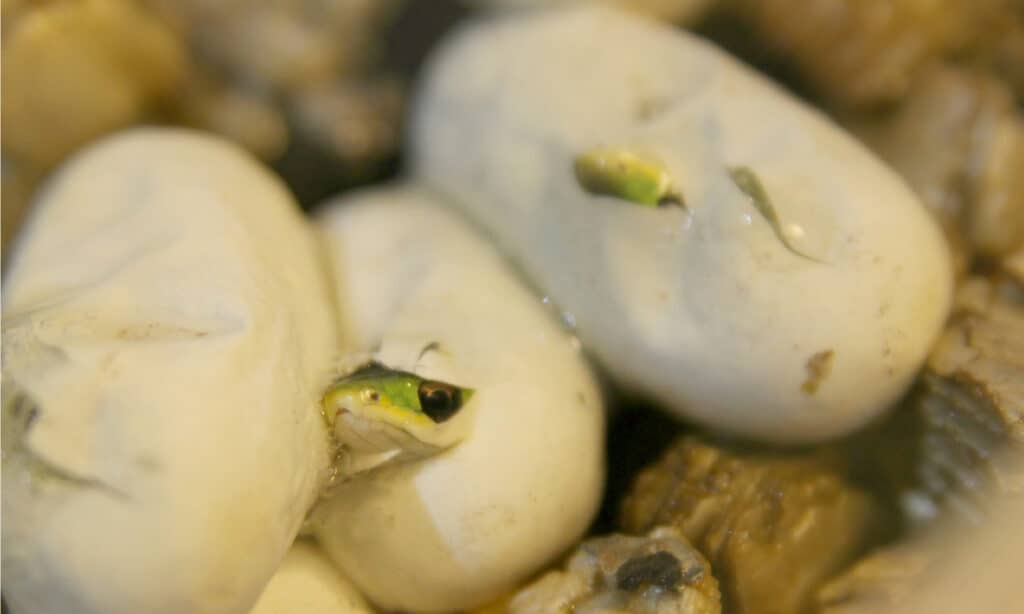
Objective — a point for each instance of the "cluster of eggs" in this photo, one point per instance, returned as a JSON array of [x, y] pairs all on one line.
[[171, 325]]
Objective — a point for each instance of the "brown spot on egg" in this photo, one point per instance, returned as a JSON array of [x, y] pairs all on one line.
[[818, 368]]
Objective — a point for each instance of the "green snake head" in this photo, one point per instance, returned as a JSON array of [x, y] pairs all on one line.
[[379, 414], [624, 174]]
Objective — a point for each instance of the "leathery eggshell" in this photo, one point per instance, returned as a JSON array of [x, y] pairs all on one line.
[[164, 339], [460, 528], [792, 316], [307, 581]]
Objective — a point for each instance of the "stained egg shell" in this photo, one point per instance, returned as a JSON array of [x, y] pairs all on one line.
[[971, 403], [307, 581], [774, 526], [659, 573], [160, 363], [459, 529], [720, 309]]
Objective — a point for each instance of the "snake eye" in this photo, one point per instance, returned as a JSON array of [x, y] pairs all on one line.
[[439, 401]]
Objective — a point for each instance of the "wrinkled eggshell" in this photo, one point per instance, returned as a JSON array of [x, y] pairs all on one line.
[[163, 315], [307, 582], [457, 530], [794, 332]]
